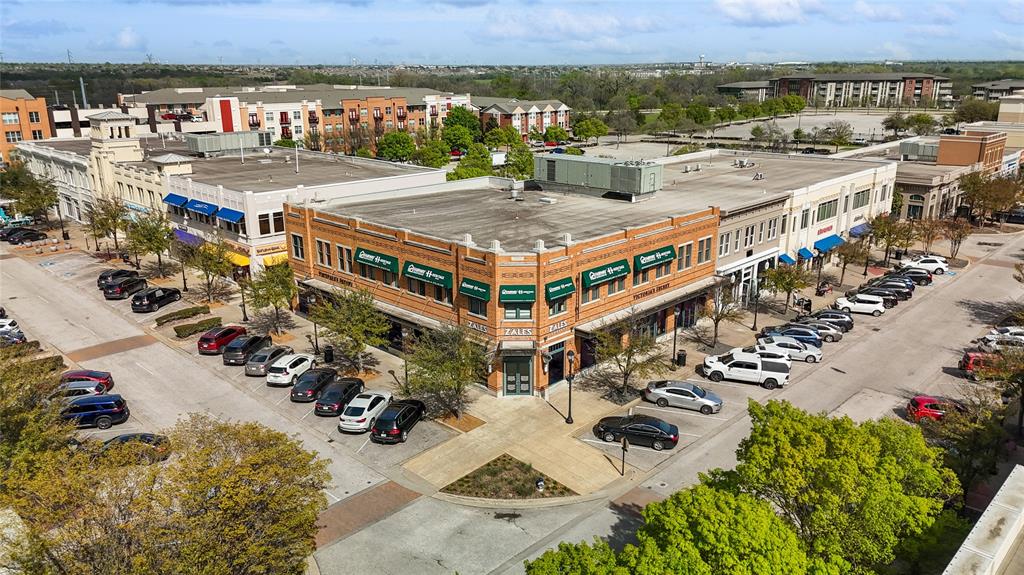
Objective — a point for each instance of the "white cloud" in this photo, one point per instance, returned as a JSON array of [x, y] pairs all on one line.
[[128, 39], [560, 23], [1013, 11], [943, 14], [895, 51], [767, 12], [932, 30], [1011, 41], [877, 12]]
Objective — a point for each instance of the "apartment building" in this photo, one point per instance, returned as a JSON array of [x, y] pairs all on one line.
[[756, 91], [869, 89], [523, 115], [24, 119], [994, 91]]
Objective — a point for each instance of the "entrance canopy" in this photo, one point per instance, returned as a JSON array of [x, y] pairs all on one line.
[[827, 243], [652, 304]]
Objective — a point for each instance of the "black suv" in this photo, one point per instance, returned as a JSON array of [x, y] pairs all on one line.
[[397, 420], [308, 386], [152, 299], [920, 276], [108, 277], [242, 347], [25, 237], [336, 396], [124, 287], [889, 296]]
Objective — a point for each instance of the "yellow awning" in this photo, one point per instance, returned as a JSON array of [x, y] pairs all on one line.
[[275, 259], [238, 259]]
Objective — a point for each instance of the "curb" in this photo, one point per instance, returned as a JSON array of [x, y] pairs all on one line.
[[547, 502]]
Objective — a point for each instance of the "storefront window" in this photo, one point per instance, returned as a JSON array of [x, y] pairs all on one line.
[[557, 307], [518, 310], [477, 307]]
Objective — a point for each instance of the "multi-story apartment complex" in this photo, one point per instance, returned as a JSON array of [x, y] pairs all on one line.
[[868, 89], [24, 119], [523, 115], [755, 91], [995, 90]]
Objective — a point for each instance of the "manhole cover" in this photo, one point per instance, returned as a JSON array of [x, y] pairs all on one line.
[[662, 484]]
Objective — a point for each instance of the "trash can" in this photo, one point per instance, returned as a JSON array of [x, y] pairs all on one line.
[[681, 358], [807, 305], [65, 235], [328, 354]]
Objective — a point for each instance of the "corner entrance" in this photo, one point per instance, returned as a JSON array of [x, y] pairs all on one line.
[[518, 373]]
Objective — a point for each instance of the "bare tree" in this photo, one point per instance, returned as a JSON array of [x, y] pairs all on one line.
[[625, 353], [956, 231], [721, 306]]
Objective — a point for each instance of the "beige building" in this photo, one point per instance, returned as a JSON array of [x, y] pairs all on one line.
[[1011, 108]]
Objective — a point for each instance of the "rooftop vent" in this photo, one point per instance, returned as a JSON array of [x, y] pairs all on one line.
[[513, 194], [759, 175], [547, 200]]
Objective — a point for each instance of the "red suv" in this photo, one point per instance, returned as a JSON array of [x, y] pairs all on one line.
[[214, 341], [972, 361], [88, 375], [926, 406]]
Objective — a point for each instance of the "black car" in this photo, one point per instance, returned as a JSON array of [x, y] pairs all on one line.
[[920, 276], [892, 277], [397, 419], [903, 287], [835, 317], [152, 299], [638, 430], [836, 323], [158, 447], [242, 347], [900, 293], [108, 277], [25, 237], [6, 231], [124, 287], [309, 385], [336, 395], [100, 411]]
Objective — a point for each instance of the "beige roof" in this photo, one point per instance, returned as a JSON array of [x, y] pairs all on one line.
[[16, 94]]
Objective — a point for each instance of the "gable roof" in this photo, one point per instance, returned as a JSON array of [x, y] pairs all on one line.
[[110, 115]]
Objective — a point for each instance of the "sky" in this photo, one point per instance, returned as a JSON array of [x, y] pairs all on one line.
[[532, 32]]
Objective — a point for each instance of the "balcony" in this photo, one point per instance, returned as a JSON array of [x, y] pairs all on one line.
[[401, 113], [433, 111], [286, 133], [285, 120], [377, 115], [313, 119], [254, 122], [353, 116]]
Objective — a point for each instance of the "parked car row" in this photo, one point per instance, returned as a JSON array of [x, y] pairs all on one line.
[[124, 284], [21, 234]]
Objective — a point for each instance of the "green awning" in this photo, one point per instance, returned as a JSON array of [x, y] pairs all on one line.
[[428, 274], [525, 293], [377, 260], [607, 272], [559, 289], [476, 289], [654, 258]]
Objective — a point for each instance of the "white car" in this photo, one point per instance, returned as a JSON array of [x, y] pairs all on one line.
[[861, 303], [8, 324], [362, 411], [765, 353], [999, 343], [288, 368], [797, 350], [933, 264], [1012, 331]]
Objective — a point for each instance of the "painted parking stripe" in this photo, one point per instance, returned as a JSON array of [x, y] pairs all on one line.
[[683, 412], [631, 446]]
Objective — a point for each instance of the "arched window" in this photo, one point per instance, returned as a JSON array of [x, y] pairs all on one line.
[[916, 198]]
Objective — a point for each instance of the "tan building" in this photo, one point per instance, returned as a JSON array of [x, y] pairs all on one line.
[[1011, 108], [24, 119], [972, 147]]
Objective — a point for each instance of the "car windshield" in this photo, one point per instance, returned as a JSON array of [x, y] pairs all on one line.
[[700, 391], [353, 411], [260, 357], [330, 395], [725, 358]]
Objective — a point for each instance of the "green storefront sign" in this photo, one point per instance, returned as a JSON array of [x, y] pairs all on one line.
[[654, 258], [428, 274], [377, 260], [607, 272], [526, 293], [476, 289], [559, 289]]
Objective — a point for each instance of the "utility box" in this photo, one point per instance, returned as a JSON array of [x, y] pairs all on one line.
[[632, 177], [229, 142]]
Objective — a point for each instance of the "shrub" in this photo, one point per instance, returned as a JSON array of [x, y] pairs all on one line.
[[22, 349], [182, 314], [185, 330], [52, 363]]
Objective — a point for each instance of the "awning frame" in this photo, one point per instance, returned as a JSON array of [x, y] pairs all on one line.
[[828, 243], [805, 253], [229, 215]]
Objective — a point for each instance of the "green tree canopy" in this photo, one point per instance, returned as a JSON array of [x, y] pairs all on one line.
[[897, 122], [33, 196], [786, 279], [285, 143], [725, 113], [586, 128], [443, 364], [973, 110], [922, 124], [432, 154], [555, 133], [476, 163], [519, 161], [699, 113], [461, 116], [151, 234], [396, 146], [273, 286], [671, 114], [457, 136], [502, 136], [792, 104], [352, 323], [212, 260]]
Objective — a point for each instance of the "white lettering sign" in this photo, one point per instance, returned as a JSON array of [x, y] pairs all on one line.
[[557, 326], [476, 326], [518, 331]]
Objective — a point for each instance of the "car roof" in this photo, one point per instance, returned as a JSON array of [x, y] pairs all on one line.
[[85, 373], [80, 383], [87, 399], [125, 279], [291, 356], [782, 338], [870, 297]]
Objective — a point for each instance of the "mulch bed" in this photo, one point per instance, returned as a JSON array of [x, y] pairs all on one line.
[[506, 478], [464, 423]]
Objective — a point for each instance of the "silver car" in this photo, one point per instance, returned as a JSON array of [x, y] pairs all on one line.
[[797, 350], [683, 394], [264, 358], [827, 331]]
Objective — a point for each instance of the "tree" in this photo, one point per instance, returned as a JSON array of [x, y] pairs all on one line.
[[364, 152], [759, 134], [851, 253], [577, 559], [586, 128], [793, 104], [1001, 195], [974, 186], [897, 122], [273, 286], [462, 116], [1008, 369], [555, 133], [933, 549], [443, 365], [285, 143], [772, 107], [519, 161], [904, 234], [396, 146], [211, 259], [749, 110], [671, 114], [95, 225], [32, 196], [151, 234], [534, 135], [786, 279], [699, 113], [624, 123], [312, 139], [476, 163], [352, 323], [626, 353], [432, 154], [111, 216], [851, 491], [503, 136], [956, 231], [927, 232], [720, 306], [799, 135], [838, 133], [922, 124], [973, 110], [725, 113], [457, 137], [883, 230]]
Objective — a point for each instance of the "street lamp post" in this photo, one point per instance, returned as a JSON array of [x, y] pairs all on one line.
[[675, 336], [571, 356], [406, 333], [245, 316], [756, 298], [311, 301], [867, 255]]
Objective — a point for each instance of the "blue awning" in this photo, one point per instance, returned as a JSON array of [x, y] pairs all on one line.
[[229, 215], [787, 259], [805, 253], [187, 238], [858, 231], [175, 200], [201, 207], [827, 243]]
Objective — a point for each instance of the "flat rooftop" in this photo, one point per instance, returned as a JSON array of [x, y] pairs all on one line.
[[488, 213], [79, 146], [910, 168], [315, 169]]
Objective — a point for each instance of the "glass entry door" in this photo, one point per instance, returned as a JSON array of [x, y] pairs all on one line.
[[518, 375]]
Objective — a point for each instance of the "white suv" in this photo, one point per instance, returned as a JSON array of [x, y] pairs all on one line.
[[288, 368], [933, 264], [796, 350], [861, 303]]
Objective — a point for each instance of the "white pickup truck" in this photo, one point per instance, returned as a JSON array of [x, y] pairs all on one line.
[[746, 367]]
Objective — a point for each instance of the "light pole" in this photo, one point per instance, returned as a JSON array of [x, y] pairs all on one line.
[[756, 298], [571, 356], [406, 333], [245, 316], [867, 255], [675, 335], [310, 302]]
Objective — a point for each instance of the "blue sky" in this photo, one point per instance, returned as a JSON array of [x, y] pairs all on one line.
[[508, 31]]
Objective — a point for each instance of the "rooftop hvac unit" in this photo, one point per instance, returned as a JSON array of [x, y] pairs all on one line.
[[546, 200]]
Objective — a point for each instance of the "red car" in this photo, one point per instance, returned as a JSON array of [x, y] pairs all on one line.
[[926, 406], [214, 341], [169, 116], [973, 361], [88, 375]]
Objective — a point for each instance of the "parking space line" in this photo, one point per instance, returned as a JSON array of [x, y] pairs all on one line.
[[618, 445], [307, 413], [683, 412], [690, 434], [145, 369], [364, 444], [42, 299], [282, 400]]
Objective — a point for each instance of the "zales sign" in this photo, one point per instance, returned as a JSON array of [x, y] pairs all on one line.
[[476, 326], [558, 326], [518, 331]]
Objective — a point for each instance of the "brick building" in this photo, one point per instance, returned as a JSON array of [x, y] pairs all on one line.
[[869, 89], [24, 118], [523, 115]]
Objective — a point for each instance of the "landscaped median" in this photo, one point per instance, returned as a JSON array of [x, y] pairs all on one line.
[[505, 477], [185, 330], [182, 314]]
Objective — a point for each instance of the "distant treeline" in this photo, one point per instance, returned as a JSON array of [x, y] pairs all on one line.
[[585, 89]]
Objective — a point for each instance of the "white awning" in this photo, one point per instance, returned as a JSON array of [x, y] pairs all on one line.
[[649, 305], [518, 344], [387, 308]]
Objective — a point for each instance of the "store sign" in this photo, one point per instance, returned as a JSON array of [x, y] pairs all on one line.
[[475, 289], [825, 230], [237, 248], [558, 326], [377, 260], [649, 292], [477, 326], [523, 293], [428, 274], [333, 277], [271, 249], [518, 331], [605, 273], [559, 289], [654, 258]]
